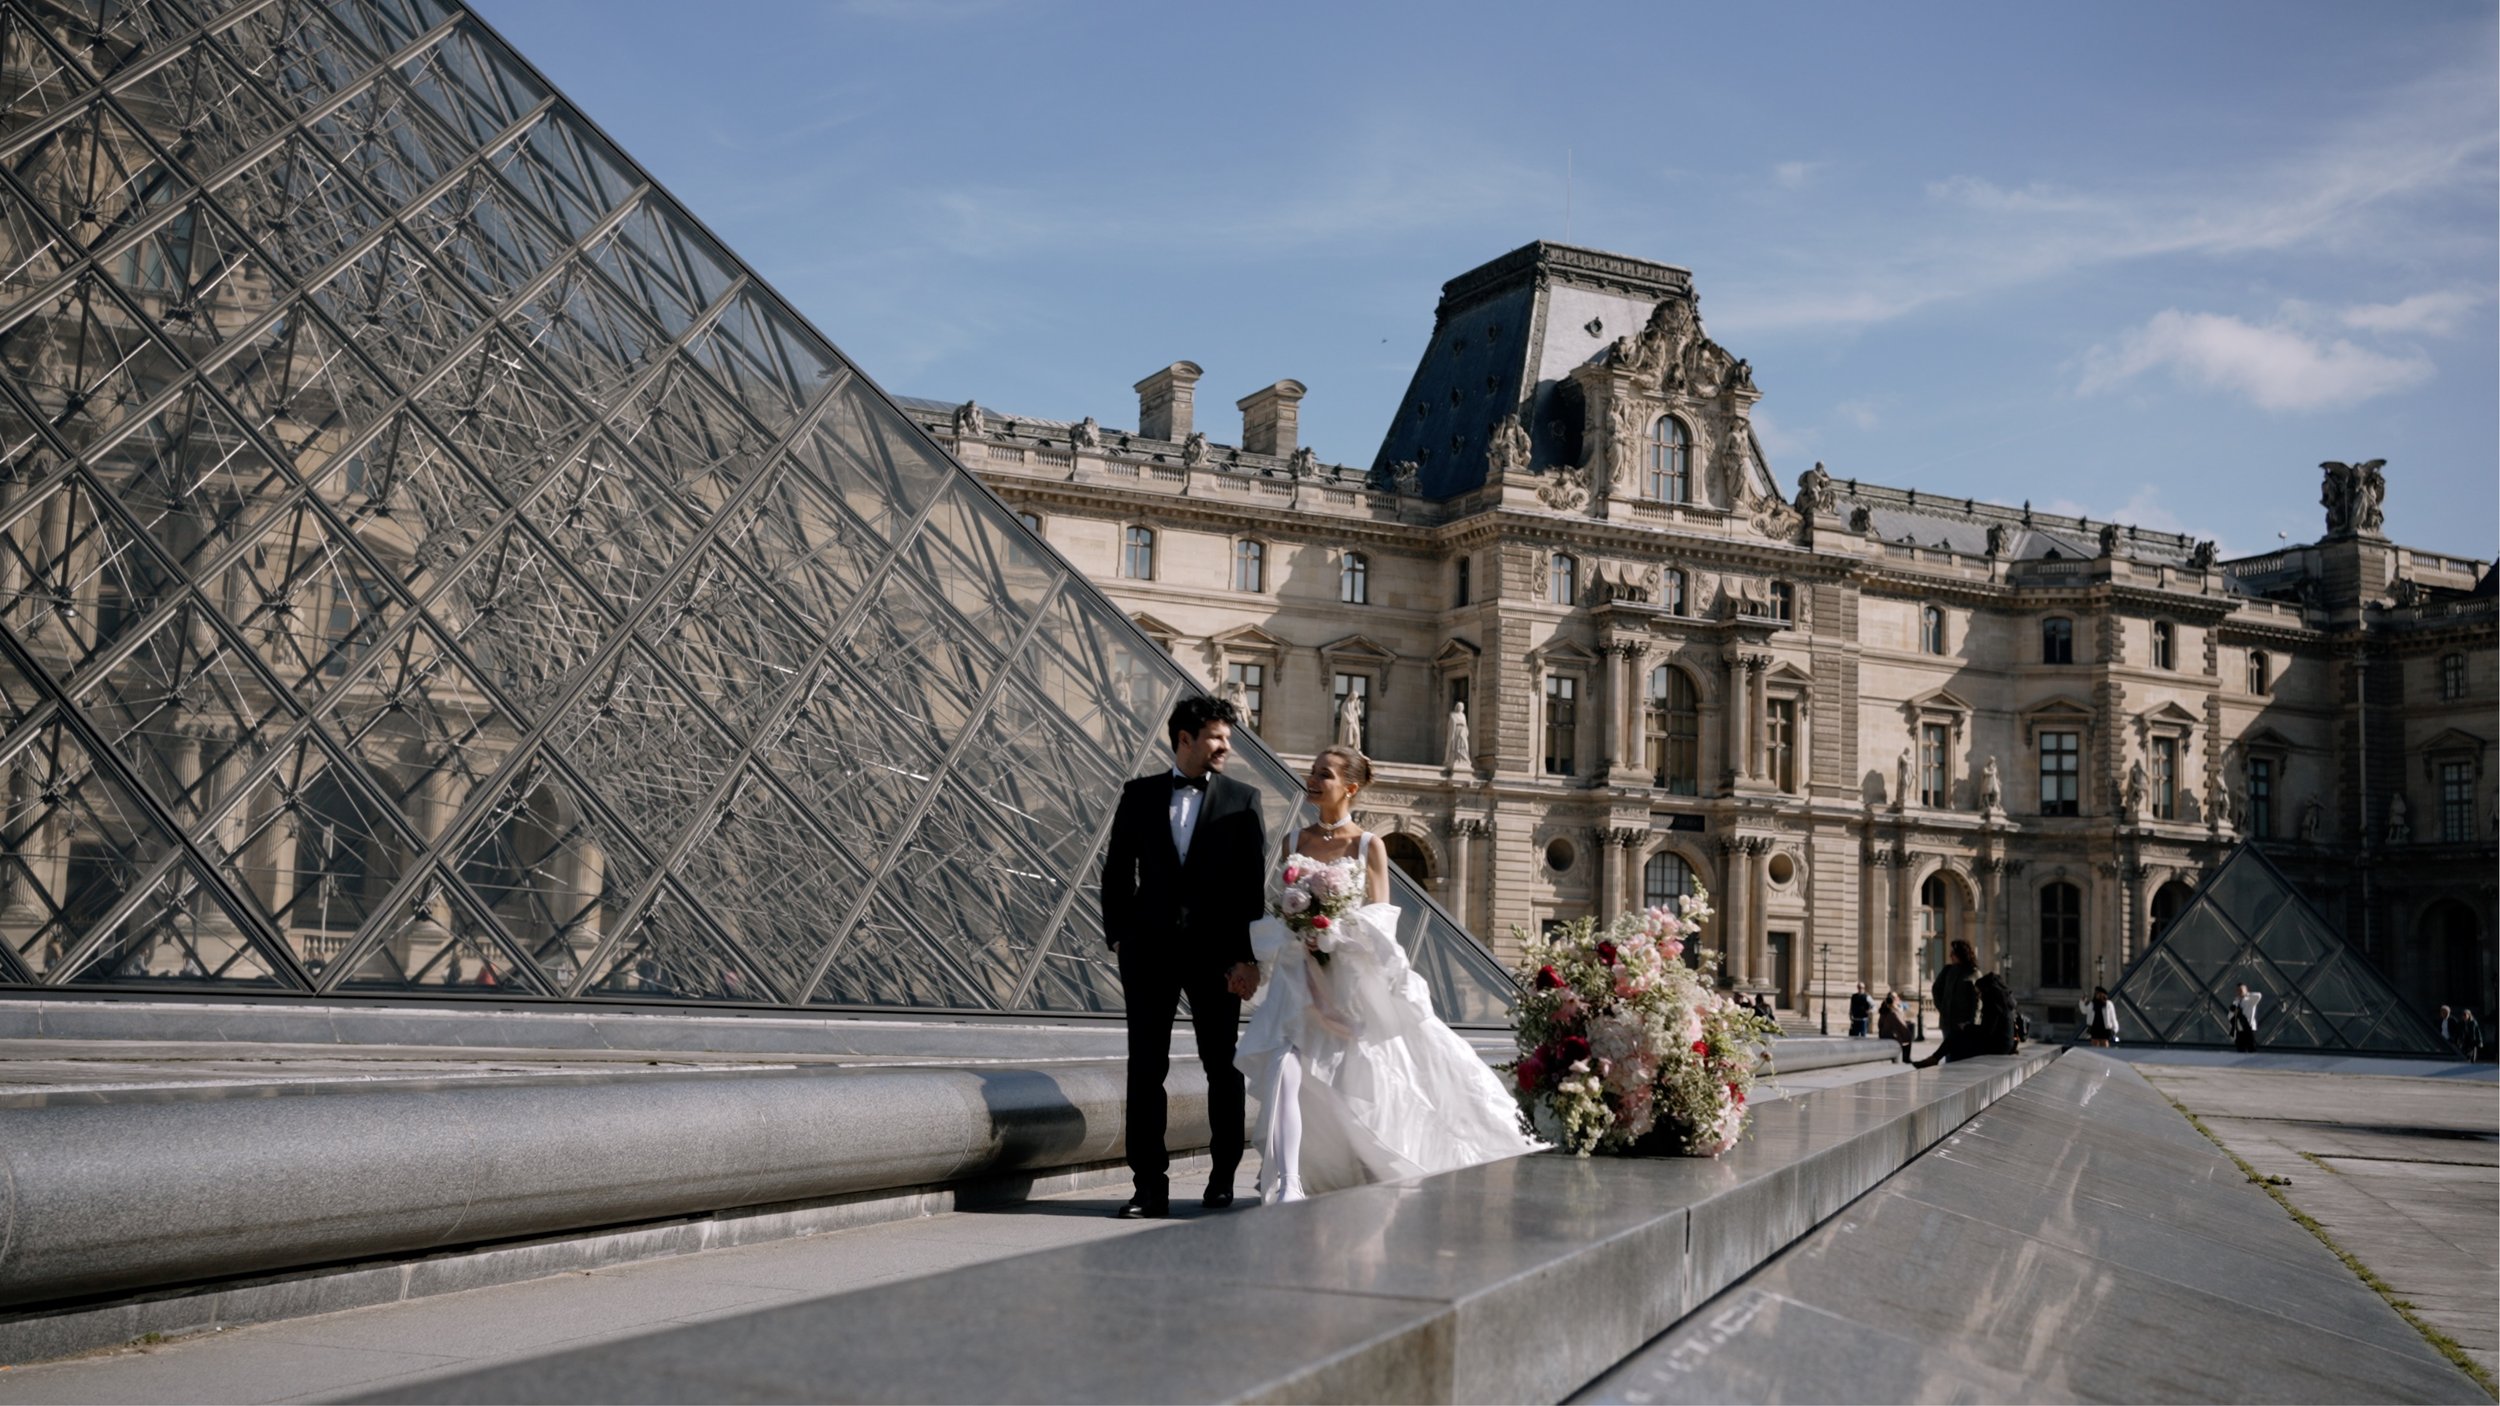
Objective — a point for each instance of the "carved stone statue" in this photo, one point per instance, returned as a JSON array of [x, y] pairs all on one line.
[[1740, 376], [1350, 721], [2000, 539], [1506, 446], [2311, 816], [2409, 592], [1814, 490], [2399, 822], [1407, 477], [1237, 694], [2353, 495], [2109, 539], [1659, 344], [1563, 490], [970, 423], [2136, 789], [2201, 557], [1991, 788], [1303, 463], [1087, 434], [1901, 780], [1194, 449], [2223, 806], [1861, 519], [1462, 753]]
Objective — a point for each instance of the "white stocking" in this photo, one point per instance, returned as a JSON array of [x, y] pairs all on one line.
[[1281, 1171]]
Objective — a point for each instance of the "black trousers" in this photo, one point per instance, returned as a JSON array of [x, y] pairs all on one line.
[[1154, 990]]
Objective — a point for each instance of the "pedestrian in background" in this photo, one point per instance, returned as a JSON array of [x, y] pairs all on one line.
[[2244, 1020], [1890, 1024], [1861, 1010], [2100, 1019], [1956, 992], [2451, 1031], [2470, 1036]]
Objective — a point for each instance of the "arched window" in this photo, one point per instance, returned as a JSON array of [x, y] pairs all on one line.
[[2260, 673], [1669, 477], [2165, 645], [1664, 879], [1354, 579], [2452, 676], [1137, 554], [1566, 579], [1671, 591], [2061, 936], [1930, 630], [2168, 902], [2057, 640], [1249, 565], [1674, 732]]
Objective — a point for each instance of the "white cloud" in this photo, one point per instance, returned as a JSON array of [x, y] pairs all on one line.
[[1793, 175], [2276, 367], [1860, 412], [2433, 314]]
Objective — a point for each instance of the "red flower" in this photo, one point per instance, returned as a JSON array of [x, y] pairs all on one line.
[[1606, 953], [1547, 978], [1531, 1073], [1574, 1049], [1701, 1047], [1320, 922]]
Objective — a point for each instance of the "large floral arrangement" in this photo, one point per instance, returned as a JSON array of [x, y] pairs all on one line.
[[1622, 1043], [1313, 900]]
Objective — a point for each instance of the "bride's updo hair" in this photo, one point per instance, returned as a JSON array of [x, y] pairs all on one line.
[[1351, 764]]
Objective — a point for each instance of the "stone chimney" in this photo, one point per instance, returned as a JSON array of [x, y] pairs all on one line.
[[1271, 420], [1167, 401]]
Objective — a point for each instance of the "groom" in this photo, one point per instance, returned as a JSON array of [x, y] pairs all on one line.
[[1182, 880]]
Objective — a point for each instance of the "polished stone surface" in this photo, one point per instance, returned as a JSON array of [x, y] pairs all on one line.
[[1517, 1280], [2078, 1241]]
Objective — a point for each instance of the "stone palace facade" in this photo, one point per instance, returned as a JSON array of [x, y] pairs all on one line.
[[1598, 655]]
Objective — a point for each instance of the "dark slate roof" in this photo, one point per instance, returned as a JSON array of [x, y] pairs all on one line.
[[1961, 525], [1504, 338]]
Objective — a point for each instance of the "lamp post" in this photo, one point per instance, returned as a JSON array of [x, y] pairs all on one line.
[[1823, 980]]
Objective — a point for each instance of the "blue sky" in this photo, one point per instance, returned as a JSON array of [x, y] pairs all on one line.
[[2133, 260]]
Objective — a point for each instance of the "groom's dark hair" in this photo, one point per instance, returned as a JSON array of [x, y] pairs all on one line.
[[1198, 710]]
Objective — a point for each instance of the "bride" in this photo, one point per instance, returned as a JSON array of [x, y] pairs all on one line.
[[1357, 1080]]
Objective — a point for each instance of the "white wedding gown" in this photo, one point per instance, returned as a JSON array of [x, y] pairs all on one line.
[[1382, 1088]]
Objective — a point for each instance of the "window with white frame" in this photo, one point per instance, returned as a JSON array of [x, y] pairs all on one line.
[[1562, 724], [1137, 554], [1566, 578], [1671, 590], [1783, 601], [1674, 731], [2165, 777], [1668, 462], [1779, 737], [1664, 879], [1250, 565], [1354, 579], [1935, 765]]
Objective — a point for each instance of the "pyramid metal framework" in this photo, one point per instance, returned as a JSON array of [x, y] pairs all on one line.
[[2248, 924], [431, 565]]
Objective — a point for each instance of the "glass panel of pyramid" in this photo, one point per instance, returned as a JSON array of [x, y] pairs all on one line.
[[2247, 924], [431, 566]]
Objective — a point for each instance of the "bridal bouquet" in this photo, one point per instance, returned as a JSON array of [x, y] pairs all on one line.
[[1622, 1043], [1313, 901]]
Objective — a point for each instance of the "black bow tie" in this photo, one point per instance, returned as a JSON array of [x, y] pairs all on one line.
[[1194, 783]]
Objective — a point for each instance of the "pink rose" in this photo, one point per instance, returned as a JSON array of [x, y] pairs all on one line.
[[1320, 922], [1293, 902], [1293, 873]]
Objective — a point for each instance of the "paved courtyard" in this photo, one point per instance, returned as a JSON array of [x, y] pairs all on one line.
[[2403, 1172]]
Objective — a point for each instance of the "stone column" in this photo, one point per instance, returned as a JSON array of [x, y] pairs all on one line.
[[1463, 834], [1735, 921], [1758, 904], [1739, 697], [2132, 932], [1757, 716], [1905, 956], [1607, 865]]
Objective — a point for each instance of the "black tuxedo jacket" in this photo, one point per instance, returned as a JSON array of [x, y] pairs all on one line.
[[1194, 916]]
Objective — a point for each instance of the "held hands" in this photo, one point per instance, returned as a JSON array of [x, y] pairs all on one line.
[[1243, 980]]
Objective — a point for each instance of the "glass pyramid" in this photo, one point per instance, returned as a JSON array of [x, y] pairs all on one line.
[[431, 565], [2248, 924]]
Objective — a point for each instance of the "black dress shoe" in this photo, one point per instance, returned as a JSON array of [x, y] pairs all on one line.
[[1216, 1200], [1143, 1210]]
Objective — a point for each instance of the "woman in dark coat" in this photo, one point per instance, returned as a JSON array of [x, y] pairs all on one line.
[[1957, 1005], [1890, 1024]]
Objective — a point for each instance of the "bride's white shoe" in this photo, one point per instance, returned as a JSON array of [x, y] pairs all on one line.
[[1287, 1190]]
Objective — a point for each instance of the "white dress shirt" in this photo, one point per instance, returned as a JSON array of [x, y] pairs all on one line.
[[1187, 801]]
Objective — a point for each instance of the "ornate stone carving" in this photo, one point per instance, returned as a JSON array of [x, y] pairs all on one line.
[[1506, 446], [2311, 816], [2202, 556], [1815, 493], [1861, 519], [1194, 449], [1303, 462], [1660, 345], [1086, 435], [1350, 721], [1564, 490], [2000, 539], [2352, 495], [1627, 581], [1467, 828], [1991, 788], [1407, 477], [1901, 781], [1462, 750], [2109, 539], [2409, 592], [970, 423], [2132, 802], [2399, 820]]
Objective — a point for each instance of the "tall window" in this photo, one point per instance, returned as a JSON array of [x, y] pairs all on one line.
[[2452, 676], [1566, 578], [1354, 579], [1562, 724], [2260, 673], [1249, 565], [1935, 771], [1137, 554], [1248, 682], [2165, 778], [2165, 645], [2456, 802], [1671, 591], [1930, 630], [1674, 731], [2057, 641], [1670, 462], [1032, 522], [2261, 798], [2061, 936], [1779, 736], [1664, 879], [1463, 564], [2061, 755], [1360, 686], [1783, 601]]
